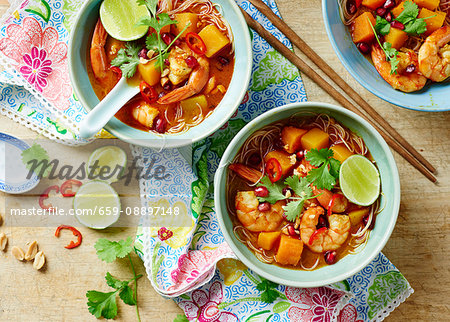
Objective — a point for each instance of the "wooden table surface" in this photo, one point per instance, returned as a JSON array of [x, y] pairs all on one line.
[[419, 246]]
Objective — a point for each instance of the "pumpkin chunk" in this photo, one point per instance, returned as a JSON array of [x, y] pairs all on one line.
[[290, 250]]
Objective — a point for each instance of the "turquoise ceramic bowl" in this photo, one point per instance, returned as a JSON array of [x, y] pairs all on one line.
[[350, 264], [432, 98], [78, 51]]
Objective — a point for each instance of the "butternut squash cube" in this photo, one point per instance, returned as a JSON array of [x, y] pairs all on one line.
[[398, 9], [356, 216], [291, 137], [290, 250], [287, 161], [149, 72], [361, 29], [429, 4], [396, 37], [214, 40], [341, 152], [373, 4], [315, 139], [191, 106], [184, 19], [433, 23], [267, 240]]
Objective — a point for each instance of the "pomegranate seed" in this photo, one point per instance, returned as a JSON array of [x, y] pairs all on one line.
[[263, 207], [291, 231], [397, 24], [330, 257], [261, 192], [363, 47], [389, 4], [166, 62], [351, 7], [255, 159], [143, 53], [411, 68], [322, 222], [300, 155], [366, 220], [381, 11], [160, 125], [167, 37], [388, 16], [223, 60], [285, 191], [191, 61]]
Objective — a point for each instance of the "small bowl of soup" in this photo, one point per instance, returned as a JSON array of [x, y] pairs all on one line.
[[290, 199], [191, 76]]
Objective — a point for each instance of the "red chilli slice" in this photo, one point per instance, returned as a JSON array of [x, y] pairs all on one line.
[[75, 232], [148, 93], [273, 170], [45, 195], [331, 203], [66, 187], [315, 234], [195, 43]]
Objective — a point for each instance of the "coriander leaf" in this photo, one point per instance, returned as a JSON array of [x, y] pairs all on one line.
[[108, 250], [293, 209], [335, 165], [321, 176], [382, 26], [153, 43], [275, 191], [269, 293], [181, 318], [391, 56], [114, 282], [158, 23], [150, 4], [126, 294], [127, 59], [102, 304], [416, 27], [409, 13], [33, 156], [300, 186]]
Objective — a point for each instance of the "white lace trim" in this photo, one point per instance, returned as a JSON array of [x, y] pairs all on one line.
[[394, 304]]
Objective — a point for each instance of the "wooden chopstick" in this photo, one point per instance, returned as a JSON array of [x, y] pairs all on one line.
[[311, 54], [308, 71]]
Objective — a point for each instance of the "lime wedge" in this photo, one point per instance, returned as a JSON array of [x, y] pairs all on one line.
[[107, 156], [359, 180], [97, 205], [119, 17]]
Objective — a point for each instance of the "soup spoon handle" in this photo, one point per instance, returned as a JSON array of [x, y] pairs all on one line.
[[97, 118]]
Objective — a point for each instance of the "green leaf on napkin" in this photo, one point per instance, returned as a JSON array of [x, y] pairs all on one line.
[[108, 250], [269, 293], [181, 318]]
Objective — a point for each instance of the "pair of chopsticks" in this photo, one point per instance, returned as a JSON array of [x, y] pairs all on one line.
[[392, 137]]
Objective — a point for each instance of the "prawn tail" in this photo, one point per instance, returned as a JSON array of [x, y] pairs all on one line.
[[177, 95], [247, 173]]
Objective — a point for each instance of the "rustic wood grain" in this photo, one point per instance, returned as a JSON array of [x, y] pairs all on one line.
[[419, 245]]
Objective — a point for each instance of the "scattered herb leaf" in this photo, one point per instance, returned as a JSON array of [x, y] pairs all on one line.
[[269, 293], [108, 250], [33, 155], [304, 192], [325, 176], [408, 17], [127, 59], [382, 26], [390, 53], [275, 191], [181, 318]]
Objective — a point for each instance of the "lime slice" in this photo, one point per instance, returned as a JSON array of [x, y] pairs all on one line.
[[97, 205], [359, 180], [119, 17], [107, 156]]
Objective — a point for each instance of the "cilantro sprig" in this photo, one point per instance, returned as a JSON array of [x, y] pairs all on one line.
[[327, 171], [269, 292], [127, 59], [390, 53], [104, 304]]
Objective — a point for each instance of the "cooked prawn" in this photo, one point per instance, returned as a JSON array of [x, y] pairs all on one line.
[[99, 60], [324, 239], [252, 218], [405, 82], [197, 80], [434, 55], [145, 114]]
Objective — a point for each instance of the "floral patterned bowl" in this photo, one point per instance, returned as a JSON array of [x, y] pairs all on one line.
[[350, 264], [78, 50]]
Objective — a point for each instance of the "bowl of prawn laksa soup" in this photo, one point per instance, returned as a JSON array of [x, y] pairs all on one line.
[[307, 194], [189, 60], [397, 49]]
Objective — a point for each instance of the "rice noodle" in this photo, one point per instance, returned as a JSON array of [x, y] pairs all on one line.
[[312, 267], [346, 17]]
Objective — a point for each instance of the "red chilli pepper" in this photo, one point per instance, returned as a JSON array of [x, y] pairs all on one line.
[[45, 196], [195, 43], [331, 203], [148, 93], [315, 234], [273, 169], [75, 233], [66, 187], [116, 70]]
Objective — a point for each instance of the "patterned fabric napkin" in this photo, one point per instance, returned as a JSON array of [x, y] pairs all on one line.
[[190, 262]]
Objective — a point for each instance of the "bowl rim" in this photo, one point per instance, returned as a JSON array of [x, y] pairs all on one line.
[[360, 80], [253, 126], [170, 141]]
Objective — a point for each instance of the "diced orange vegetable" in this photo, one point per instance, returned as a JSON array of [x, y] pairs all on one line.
[[150, 72], [373, 4], [267, 240], [361, 29], [429, 4], [291, 137], [433, 23], [287, 161], [290, 250], [214, 40], [315, 139], [183, 19], [396, 37], [340, 152], [191, 105], [356, 216], [398, 9]]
